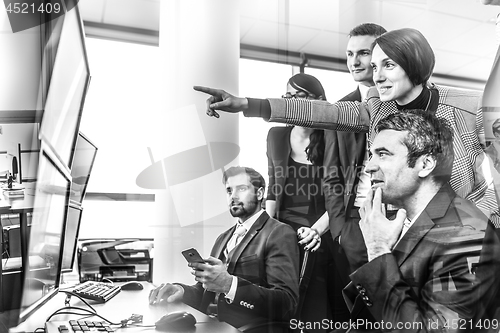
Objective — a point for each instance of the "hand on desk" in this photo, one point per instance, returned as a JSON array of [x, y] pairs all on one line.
[[213, 275], [172, 293]]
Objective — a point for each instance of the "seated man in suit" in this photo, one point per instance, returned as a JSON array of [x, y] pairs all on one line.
[[435, 266], [257, 280]]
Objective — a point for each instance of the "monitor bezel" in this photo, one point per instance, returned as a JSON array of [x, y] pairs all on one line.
[[72, 205], [53, 159], [91, 165]]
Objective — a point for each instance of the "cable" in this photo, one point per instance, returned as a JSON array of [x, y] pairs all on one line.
[[137, 325], [132, 321], [79, 297], [109, 281], [82, 314], [60, 311]]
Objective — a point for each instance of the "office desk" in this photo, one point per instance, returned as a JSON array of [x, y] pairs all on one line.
[[21, 204], [124, 304]]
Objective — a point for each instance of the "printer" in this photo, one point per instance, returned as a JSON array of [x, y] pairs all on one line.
[[124, 259]]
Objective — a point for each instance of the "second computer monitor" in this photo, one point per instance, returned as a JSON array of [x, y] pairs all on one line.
[[43, 264], [71, 237], [83, 160]]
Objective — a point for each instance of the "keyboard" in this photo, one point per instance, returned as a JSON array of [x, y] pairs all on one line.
[[77, 326], [97, 291]]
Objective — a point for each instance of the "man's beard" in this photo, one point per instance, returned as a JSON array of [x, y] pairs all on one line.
[[239, 209]]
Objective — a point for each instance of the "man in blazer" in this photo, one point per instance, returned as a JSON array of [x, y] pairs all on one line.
[[345, 151], [257, 281], [435, 267], [344, 160]]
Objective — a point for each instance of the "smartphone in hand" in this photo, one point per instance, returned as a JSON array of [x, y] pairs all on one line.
[[192, 256]]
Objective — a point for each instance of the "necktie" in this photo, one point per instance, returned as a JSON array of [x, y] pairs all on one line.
[[235, 239], [406, 227], [231, 244]]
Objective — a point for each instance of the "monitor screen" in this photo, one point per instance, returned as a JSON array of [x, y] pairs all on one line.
[[83, 160], [50, 34], [69, 81], [71, 237], [45, 241]]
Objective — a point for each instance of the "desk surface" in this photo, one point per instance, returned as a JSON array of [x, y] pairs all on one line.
[[124, 304]]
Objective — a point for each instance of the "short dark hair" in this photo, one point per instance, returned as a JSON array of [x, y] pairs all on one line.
[[410, 50], [256, 178], [309, 84], [367, 29], [426, 135]]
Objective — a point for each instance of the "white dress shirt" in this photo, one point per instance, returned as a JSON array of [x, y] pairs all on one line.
[[234, 285], [406, 226]]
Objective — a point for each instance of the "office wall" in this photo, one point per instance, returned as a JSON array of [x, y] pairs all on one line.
[[119, 117], [20, 65]]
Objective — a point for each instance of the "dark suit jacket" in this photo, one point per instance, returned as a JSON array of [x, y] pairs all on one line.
[[344, 152], [278, 154], [266, 262], [445, 267]]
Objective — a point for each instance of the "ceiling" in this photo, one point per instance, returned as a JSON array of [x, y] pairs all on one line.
[[461, 32]]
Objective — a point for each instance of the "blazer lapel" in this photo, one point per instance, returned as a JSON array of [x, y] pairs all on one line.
[[224, 239], [436, 209], [253, 232], [412, 237]]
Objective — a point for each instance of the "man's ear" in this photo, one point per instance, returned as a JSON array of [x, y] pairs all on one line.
[[428, 164], [260, 193]]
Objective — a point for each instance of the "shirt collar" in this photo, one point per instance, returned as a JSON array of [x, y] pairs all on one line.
[[408, 223], [249, 223], [363, 90]]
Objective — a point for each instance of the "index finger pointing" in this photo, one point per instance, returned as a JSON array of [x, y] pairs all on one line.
[[205, 90]]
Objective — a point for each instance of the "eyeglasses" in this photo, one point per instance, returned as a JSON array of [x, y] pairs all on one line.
[[298, 94]]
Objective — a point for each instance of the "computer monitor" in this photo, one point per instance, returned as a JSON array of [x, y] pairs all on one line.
[[42, 271], [71, 237], [69, 80], [83, 161]]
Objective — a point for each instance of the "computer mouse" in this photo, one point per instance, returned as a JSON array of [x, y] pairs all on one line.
[[179, 320], [133, 285]]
